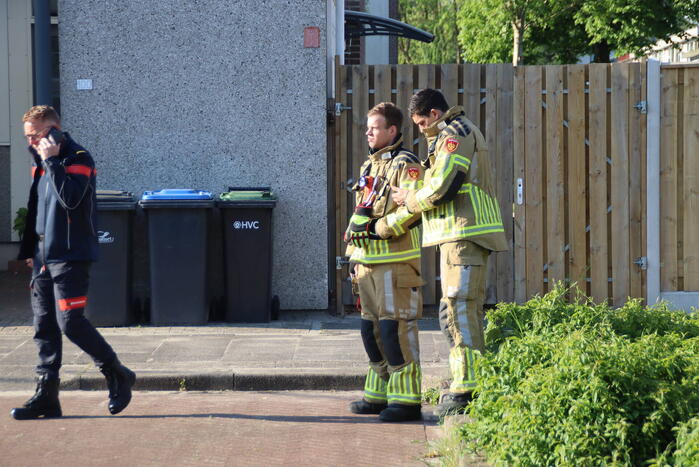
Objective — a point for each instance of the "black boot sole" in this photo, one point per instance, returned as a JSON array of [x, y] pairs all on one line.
[[27, 414], [391, 415]]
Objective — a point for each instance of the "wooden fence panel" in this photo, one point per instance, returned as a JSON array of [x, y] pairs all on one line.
[[555, 175], [582, 157], [597, 180], [670, 148], [637, 160], [490, 132], [382, 84], [519, 166], [505, 178], [472, 92], [690, 182], [620, 182], [576, 183], [404, 90], [534, 183], [449, 83]]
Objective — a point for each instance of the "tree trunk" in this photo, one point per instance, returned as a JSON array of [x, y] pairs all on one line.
[[517, 50], [601, 52]]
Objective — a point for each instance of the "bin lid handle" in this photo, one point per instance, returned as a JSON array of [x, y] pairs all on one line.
[[250, 188]]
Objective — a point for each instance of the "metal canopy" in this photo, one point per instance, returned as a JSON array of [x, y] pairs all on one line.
[[359, 24]]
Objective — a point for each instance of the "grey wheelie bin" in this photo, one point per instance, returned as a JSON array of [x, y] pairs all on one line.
[[177, 242], [109, 296], [246, 215]]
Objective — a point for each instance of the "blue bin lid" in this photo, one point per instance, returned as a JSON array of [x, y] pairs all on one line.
[[176, 194]]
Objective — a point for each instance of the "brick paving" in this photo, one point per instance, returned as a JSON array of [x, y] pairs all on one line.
[[290, 428]]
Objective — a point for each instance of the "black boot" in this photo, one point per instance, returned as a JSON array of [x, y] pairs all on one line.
[[364, 407], [44, 403], [452, 404], [401, 413], [120, 380]]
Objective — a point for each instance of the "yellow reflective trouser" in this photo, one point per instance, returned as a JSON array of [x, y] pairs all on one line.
[[463, 267], [391, 301]]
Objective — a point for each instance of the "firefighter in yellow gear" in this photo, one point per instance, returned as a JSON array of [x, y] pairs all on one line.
[[461, 215], [384, 250]]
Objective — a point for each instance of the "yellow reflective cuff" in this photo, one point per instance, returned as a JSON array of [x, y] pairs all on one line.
[[396, 219], [360, 256], [410, 184], [404, 385], [374, 387]]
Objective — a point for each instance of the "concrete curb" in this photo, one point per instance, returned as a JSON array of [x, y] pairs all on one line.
[[225, 382]]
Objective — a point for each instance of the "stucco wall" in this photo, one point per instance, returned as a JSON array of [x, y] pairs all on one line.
[[208, 94]]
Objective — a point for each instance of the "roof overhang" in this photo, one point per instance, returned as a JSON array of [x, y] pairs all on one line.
[[359, 24]]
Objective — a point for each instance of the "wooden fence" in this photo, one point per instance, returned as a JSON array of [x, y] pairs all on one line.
[[679, 178], [580, 154], [569, 147]]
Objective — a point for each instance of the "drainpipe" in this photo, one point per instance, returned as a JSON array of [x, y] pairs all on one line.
[[42, 53], [340, 30]]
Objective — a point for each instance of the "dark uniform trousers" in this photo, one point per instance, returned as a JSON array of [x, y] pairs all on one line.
[[59, 297]]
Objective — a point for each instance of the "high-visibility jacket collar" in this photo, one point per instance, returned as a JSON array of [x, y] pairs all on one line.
[[388, 151], [438, 125]]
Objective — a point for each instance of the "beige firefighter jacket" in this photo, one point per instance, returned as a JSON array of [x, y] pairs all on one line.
[[457, 199], [399, 229]]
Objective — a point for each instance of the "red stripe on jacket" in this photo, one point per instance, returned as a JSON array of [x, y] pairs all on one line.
[[79, 169]]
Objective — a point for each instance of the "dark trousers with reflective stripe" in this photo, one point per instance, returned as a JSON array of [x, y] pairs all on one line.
[[59, 296]]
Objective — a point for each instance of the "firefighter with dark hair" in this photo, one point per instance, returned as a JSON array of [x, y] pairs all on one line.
[[384, 250], [59, 244], [461, 215]]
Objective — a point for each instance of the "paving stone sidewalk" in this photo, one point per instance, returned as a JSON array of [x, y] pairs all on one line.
[[302, 350]]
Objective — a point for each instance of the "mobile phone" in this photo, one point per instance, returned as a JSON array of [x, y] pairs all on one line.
[[55, 136]]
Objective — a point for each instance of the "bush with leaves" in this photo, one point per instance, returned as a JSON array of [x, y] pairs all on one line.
[[687, 452], [579, 384]]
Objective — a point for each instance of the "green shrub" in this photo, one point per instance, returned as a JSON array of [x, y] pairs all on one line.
[[20, 222], [583, 384], [687, 452]]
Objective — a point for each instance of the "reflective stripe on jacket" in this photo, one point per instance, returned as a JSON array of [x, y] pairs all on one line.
[[457, 200], [399, 230]]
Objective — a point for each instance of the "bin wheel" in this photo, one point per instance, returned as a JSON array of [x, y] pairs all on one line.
[[275, 307]]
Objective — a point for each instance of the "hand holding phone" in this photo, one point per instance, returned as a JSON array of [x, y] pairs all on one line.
[[49, 146], [55, 136]]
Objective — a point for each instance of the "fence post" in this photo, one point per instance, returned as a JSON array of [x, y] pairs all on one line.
[[653, 183]]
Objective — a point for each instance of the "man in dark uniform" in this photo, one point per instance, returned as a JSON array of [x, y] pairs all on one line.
[[59, 244]]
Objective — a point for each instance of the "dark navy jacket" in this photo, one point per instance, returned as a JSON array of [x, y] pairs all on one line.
[[62, 206]]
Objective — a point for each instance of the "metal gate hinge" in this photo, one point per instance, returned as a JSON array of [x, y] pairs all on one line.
[[642, 262], [339, 107], [641, 106], [339, 261]]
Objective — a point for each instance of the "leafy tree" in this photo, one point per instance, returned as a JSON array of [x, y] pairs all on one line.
[[438, 17], [634, 25], [541, 31]]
